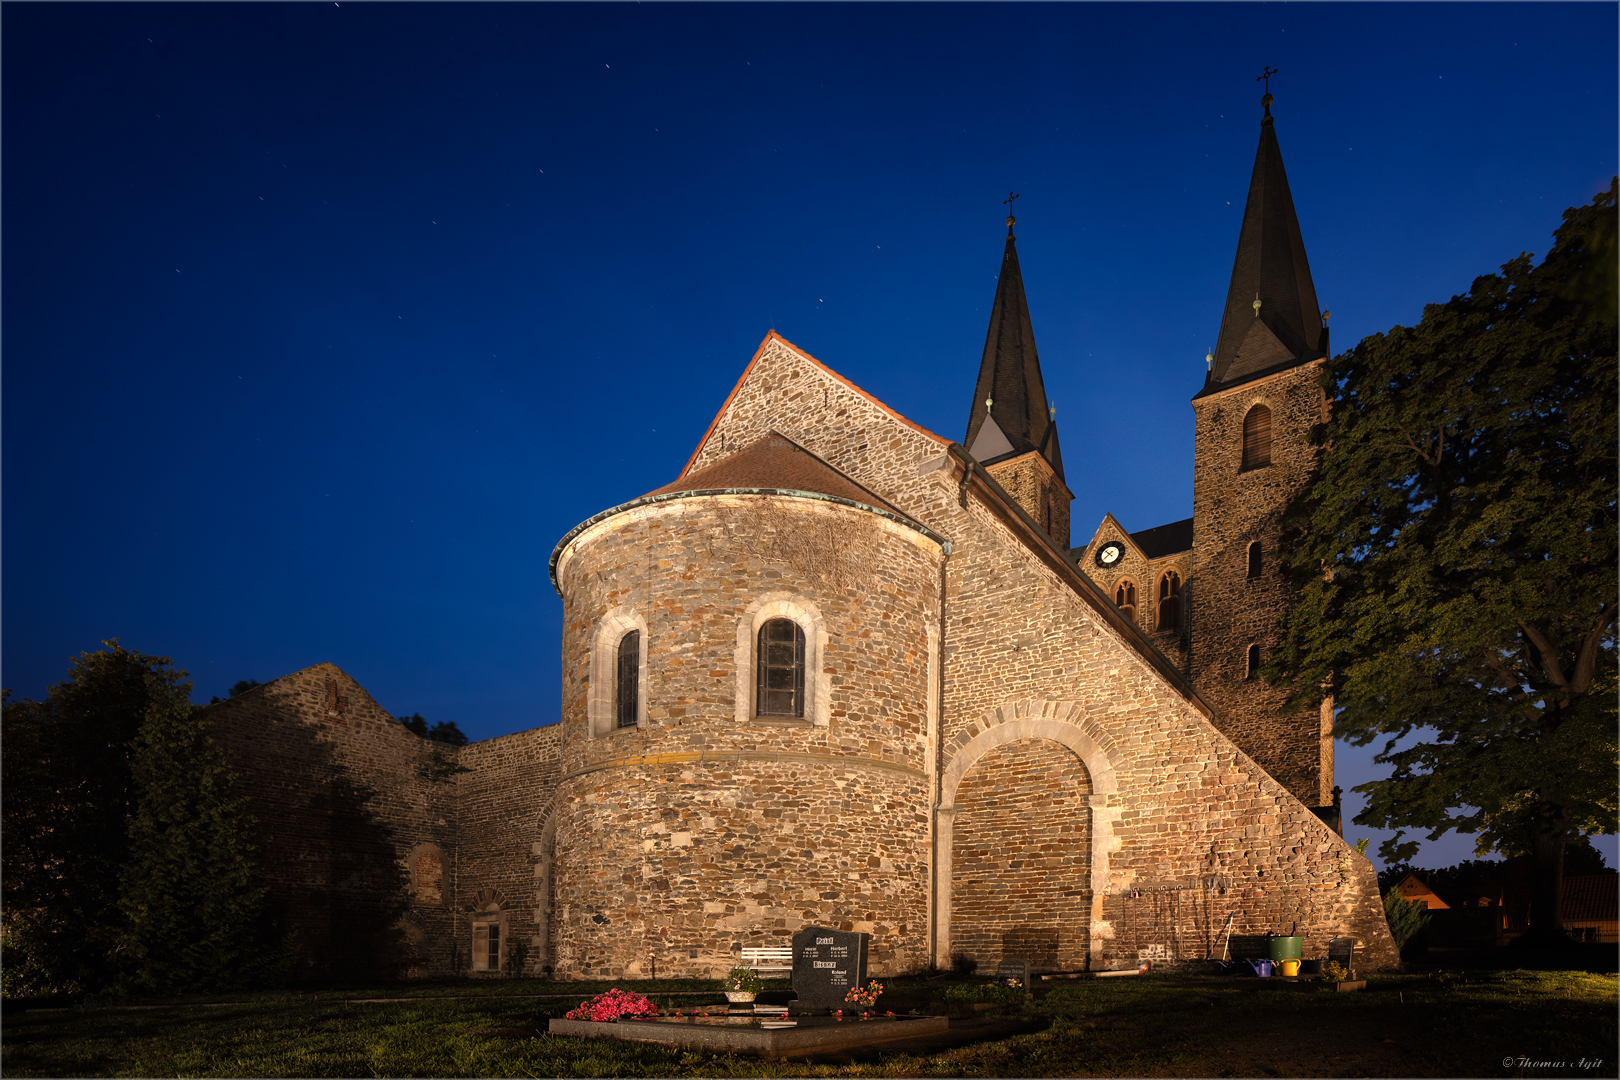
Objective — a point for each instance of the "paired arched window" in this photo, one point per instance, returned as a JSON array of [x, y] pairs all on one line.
[[1170, 601], [780, 669], [1252, 667], [1257, 438], [626, 698], [1254, 559], [1125, 598]]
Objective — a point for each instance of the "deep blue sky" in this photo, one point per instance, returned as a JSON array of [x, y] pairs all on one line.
[[323, 323]]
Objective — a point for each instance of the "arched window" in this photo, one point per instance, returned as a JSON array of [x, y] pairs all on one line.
[[1170, 601], [1252, 668], [1125, 598], [629, 676], [780, 669], [1257, 438], [1254, 559]]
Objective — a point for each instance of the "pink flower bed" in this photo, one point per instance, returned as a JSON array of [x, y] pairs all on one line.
[[607, 1007]]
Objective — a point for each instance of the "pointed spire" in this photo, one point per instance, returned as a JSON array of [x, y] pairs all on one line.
[[1009, 414], [1271, 318]]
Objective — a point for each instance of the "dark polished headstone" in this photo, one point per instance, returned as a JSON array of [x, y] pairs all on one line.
[[1013, 967], [827, 964]]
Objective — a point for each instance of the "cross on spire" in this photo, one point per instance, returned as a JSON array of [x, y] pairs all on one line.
[[1007, 202], [1265, 76]]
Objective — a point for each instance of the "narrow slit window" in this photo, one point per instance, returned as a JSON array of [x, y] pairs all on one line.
[[1254, 559], [629, 676], [780, 667], [1257, 438], [1253, 667], [1170, 601]]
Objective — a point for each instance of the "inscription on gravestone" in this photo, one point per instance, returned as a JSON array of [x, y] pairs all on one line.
[[827, 964], [1012, 967]]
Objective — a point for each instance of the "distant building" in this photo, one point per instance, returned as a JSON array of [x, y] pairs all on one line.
[[846, 671]]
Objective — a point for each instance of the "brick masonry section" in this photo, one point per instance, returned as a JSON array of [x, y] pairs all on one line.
[[1021, 859]]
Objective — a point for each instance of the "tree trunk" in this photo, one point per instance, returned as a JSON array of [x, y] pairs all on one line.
[[1547, 874]]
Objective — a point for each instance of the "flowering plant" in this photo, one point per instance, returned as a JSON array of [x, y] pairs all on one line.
[[865, 996], [604, 1008], [743, 980]]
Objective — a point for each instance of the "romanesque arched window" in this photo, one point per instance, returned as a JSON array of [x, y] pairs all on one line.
[[1170, 601], [626, 696], [1252, 666], [1125, 598], [779, 668], [1257, 438], [1254, 559]]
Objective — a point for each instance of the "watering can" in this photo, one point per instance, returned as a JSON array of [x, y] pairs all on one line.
[[1262, 968]]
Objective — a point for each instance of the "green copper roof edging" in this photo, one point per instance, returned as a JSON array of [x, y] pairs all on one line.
[[649, 500]]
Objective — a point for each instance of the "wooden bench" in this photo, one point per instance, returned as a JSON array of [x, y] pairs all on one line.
[[779, 958]]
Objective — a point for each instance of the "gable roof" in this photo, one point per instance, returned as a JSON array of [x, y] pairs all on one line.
[[1162, 540], [771, 336], [775, 462], [1017, 420], [1591, 898], [1270, 266]]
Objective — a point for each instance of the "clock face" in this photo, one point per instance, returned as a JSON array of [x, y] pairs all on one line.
[[1110, 553]]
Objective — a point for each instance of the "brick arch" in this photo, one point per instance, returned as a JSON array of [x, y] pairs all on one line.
[[1062, 722]]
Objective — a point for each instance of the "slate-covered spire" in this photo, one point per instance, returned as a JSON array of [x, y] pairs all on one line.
[[1017, 420], [1286, 328]]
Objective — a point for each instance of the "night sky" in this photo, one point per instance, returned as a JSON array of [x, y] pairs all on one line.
[[323, 323]]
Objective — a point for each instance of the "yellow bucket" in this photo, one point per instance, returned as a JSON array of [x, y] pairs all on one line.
[[1289, 968]]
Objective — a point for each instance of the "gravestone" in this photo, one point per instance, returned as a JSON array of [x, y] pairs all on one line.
[[1012, 967], [827, 964]]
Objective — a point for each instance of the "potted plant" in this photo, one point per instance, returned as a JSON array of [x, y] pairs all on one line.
[[742, 985]]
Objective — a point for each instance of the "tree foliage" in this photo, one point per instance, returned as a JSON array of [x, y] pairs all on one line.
[[1456, 556], [1405, 917], [197, 916], [444, 731], [69, 794]]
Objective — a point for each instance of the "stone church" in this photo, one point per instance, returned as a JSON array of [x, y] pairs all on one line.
[[846, 671]]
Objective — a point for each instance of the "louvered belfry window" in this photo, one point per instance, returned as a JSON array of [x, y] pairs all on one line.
[[1170, 601], [1257, 438], [781, 669], [629, 677]]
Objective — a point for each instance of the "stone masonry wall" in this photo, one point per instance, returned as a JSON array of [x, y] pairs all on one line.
[[344, 795], [681, 841], [504, 798], [1145, 574], [1021, 859], [1231, 611], [1032, 483], [1022, 651]]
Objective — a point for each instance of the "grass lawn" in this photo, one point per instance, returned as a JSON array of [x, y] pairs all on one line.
[[1472, 1023]]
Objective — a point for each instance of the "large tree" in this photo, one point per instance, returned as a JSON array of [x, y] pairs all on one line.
[[1456, 556], [69, 796]]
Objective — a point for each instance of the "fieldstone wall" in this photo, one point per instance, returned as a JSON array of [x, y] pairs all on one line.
[[1034, 485], [680, 841], [1231, 611], [348, 803], [1145, 574], [1021, 859], [504, 799]]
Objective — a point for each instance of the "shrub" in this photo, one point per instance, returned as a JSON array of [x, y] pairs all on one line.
[[993, 992], [1405, 917]]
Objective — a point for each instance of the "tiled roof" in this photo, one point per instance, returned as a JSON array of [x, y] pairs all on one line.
[[1592, 898], [775, 462], [1270, 266], [1165, 539]]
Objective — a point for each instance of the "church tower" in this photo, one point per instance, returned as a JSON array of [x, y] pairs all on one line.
[[1011, 429], [1252, 455]]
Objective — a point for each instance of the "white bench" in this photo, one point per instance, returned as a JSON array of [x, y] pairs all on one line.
[[769, 959]]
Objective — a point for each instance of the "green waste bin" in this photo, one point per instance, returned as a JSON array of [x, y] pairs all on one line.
[[1286, 948]]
